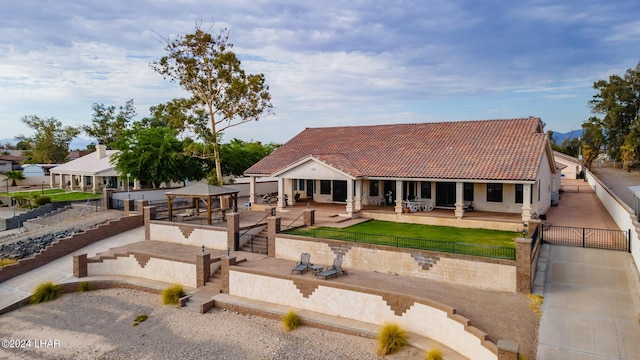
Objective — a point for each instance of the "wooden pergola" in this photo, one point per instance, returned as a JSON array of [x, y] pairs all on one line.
[[204, 192]]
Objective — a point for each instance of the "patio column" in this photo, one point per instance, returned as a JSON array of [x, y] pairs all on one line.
[[399, 187], [280, 204], [358, 197], [61, 181], [52, 180], [349, 196], [252, 190], [136, 184], [459, 200], [82, 180], [72, 182], [526, 202], [94, 184]]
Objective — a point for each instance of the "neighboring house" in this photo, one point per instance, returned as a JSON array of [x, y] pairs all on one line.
[[32, 170], [10, 162], [496, 165], [91, 172], [570, 166]]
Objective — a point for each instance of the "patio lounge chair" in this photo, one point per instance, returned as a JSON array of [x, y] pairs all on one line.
[[303, 265], [334, 270]]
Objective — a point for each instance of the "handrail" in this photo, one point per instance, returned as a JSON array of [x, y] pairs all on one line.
[[256, 224], [296, 219]]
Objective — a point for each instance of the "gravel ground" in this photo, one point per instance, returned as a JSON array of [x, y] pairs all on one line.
[[99, 325], [78, 217]]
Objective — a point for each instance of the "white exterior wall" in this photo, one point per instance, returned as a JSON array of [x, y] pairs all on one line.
[[545, 180], [210, 238], [420, 318], [155, 269], [478, 274]]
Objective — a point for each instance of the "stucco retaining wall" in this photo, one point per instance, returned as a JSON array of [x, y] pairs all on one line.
[[483, 273], [170, 271], [429, 319], [187, 234], [621, 213]]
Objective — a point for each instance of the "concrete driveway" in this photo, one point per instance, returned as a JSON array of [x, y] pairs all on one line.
[[591, 303]]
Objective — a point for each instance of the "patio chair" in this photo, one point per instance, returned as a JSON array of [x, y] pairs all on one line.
[[468, 206], [333, 270], [303, 265]]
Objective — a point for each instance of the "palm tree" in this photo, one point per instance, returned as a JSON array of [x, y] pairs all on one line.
[[14, 175]]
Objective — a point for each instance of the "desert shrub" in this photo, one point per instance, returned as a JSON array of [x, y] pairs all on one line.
[[84, 286], [434, 354], [172, 294], [46, 291], [41, 200], [290, 321], [4, 262], [391, 339], [140, 318], [535, 302]]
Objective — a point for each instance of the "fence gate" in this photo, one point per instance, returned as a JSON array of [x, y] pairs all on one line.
[[587, 237]]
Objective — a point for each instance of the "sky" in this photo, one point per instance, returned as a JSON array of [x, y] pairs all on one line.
[[327, 63]]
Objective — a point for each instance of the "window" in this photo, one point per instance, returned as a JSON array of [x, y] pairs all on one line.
[[468, 191], [374, 188], [325, 187], [301, 184], [494, 192], [519, 194], [425, 189]]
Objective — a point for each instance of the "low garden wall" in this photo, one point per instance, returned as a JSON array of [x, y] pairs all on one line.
[[420, 316], [170, 271], [483, 273], [188, 234]]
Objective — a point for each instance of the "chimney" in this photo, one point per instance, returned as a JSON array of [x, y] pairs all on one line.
[[101, 150]]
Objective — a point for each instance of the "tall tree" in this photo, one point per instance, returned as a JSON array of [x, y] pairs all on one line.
[[204, 66], [592, 140], [50, 143], [107, 124], [618, 102], [237, 155], [156, 155]]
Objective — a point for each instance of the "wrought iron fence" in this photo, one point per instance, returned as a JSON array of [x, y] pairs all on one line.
[[492, 251], [586, 237]]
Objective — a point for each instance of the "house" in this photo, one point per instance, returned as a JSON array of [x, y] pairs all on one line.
[[10, 162], [571, 167], [91, 172], [502, 166]]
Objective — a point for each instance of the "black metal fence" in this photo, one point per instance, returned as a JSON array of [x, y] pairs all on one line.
[[587, 237], [492, 251]]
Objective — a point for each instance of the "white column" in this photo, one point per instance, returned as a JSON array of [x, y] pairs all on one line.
[[82, 183], [358, 195], [252, 190], [52, 180], [459, 200], [526, 202], [399, 196], [349, 196], [280, 204], [94, 184], [72, 182]]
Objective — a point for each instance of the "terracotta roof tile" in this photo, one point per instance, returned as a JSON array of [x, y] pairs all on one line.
[[510, 149]]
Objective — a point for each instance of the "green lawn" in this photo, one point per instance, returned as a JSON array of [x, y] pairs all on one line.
[[481, 242], [56, 195]]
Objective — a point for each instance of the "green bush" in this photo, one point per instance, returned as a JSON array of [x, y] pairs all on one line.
[[391, 339], [290, 321], [172, 294], [4, 262], [434, 354], [46, 291], [140, 318], [41, 200], [84, 286]]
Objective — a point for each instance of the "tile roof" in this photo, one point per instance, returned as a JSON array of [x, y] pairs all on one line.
[[509, 149]]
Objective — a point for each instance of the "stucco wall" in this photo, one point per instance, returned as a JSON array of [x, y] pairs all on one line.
[[498, 275], [169, 271], [188, 234], [420, 318], [622, 214], [430, 220]]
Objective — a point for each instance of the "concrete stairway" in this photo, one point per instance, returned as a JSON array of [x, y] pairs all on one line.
[[204, 294]]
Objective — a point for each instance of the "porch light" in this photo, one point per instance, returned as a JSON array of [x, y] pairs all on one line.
[[202, 249], [524, 230], [309, 205]]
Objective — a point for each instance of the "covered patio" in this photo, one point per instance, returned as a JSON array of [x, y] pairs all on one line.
[[206, 193]]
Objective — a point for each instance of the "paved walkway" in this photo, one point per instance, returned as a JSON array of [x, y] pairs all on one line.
[[591, 297]]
